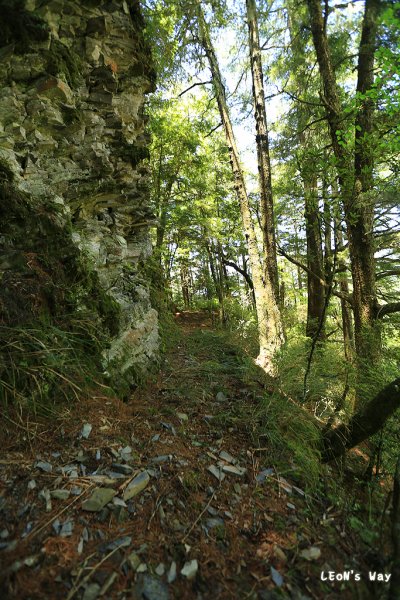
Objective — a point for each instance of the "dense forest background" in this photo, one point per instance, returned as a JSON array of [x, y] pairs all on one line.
[[275, 180]]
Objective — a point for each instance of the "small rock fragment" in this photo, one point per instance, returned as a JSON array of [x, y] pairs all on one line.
[[151, 588], [125, 469], [44, 466], [32, 484], [214, 522], [217, 472], [172, 572], [137, 485], [98, 500], [119, 502], [142, 568], [276, 577], [67, 528], [60, 494], [285, 485], [220, 397], [182, 416], [134, 560], [161, 459], [160, 569], [312, 553], [227, 457], [234, 470], [31, 561], [86, 430], [45, 494], [80, 546], [122, 542], [91, 592], [190, 569], [262, 476]]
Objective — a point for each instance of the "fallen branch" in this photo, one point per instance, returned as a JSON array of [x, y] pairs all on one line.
[[363, 424]]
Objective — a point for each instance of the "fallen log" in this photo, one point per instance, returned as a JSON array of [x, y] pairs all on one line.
[[366, 422]]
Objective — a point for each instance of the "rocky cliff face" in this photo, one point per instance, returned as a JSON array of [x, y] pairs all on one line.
[[74, 203]]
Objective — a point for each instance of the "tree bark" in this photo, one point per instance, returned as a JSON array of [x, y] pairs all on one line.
[[316, 291], [270, 330], [363, 424], [355, 179], [347, 322], [263, 157], [185, 284]]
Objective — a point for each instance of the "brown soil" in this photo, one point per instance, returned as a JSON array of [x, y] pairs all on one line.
[[256, 550]]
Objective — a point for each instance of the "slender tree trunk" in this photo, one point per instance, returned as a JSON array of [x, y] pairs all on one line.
[[355, 179], [263, 157], [270, 329], [328, 254], [297, 252], [316, 290], [347, 321], [185, 283]]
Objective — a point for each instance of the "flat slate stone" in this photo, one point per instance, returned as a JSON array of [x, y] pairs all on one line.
[[227, 457], [137, 485], [125, 469], [151, 588], [190, 569], [232, 470], [98, 500], [217, 472], [60, 494]]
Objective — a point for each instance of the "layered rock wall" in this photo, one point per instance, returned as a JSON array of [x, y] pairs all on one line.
[[74, 200]]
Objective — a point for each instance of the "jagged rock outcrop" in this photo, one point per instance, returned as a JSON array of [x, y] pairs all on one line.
[[74, 203]]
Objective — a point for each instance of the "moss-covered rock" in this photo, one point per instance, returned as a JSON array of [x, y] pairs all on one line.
[[73, 198]]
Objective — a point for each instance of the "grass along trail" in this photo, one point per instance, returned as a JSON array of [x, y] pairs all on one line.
[[176, 494]]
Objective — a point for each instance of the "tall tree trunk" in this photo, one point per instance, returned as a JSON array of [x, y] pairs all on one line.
[[264, 163], [355, 179], [328, 254], [185, 284], [347, 321], [316, 290], [270, 331]]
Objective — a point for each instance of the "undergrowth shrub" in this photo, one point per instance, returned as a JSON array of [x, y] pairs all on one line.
[[42, 364], [242, 322], [293, 438]]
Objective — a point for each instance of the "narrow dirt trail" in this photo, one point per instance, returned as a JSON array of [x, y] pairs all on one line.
[[166, 496]]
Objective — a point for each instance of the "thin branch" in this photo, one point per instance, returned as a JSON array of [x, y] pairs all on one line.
[[192, 86], [388, 273], [246, 276], [296, 262], [388, 309], [213, 129]]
